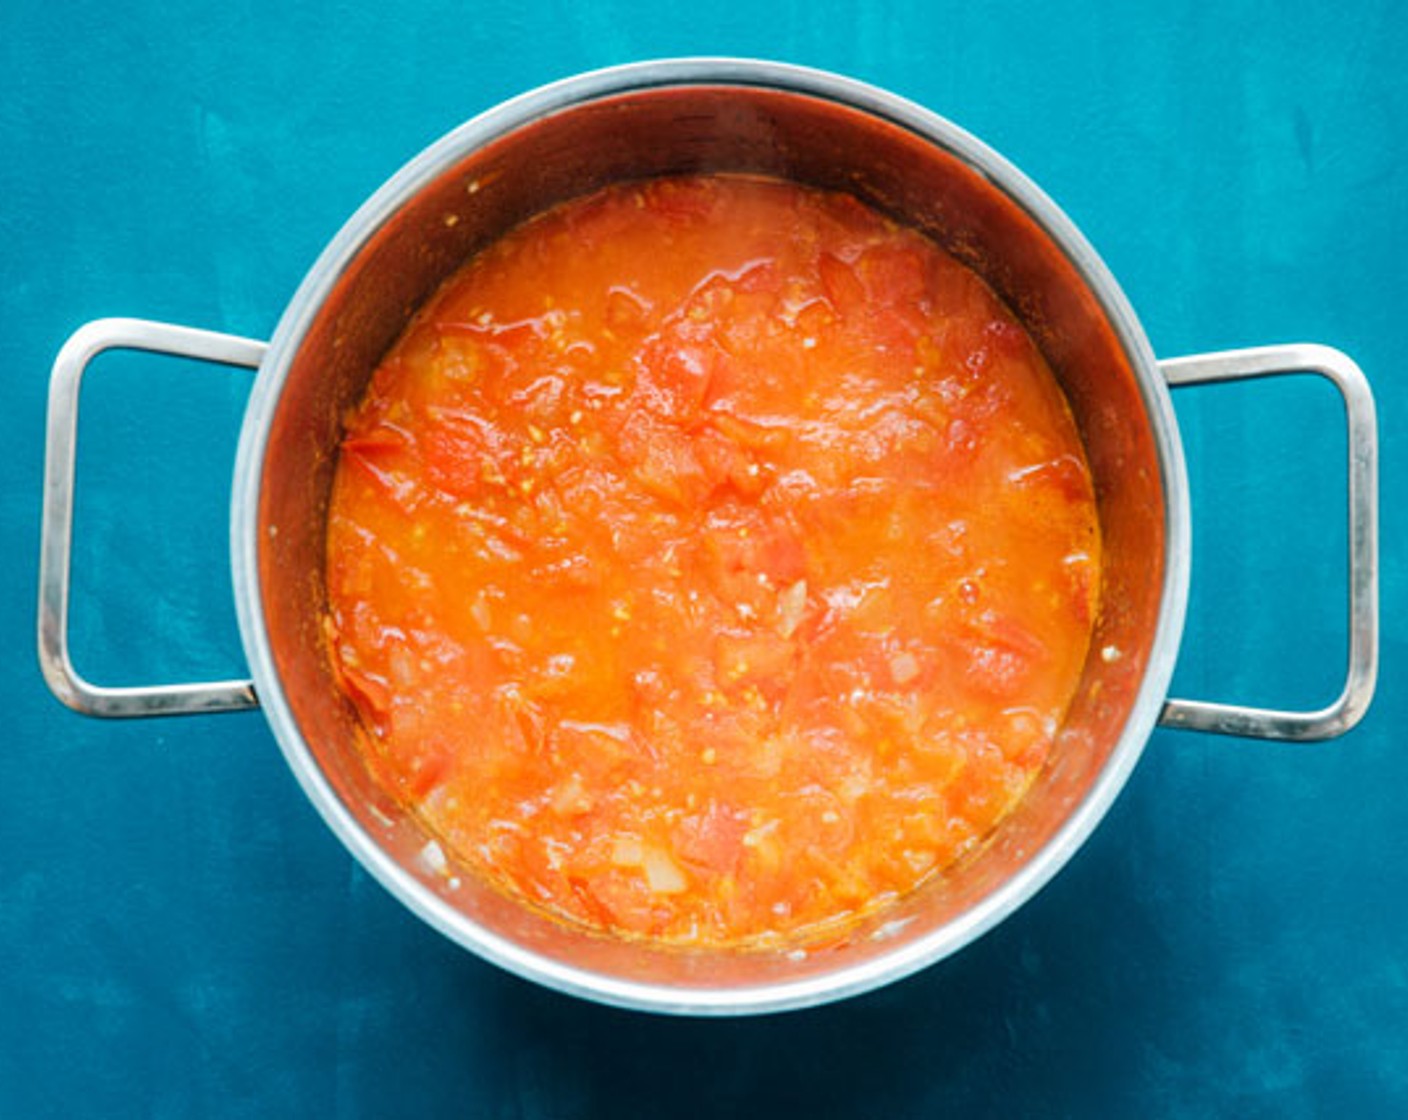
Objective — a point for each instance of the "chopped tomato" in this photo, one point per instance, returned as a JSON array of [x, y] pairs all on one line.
[[711, 838]]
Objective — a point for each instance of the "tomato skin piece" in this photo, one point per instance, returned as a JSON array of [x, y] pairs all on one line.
[[626, 311], [370, 694], [843, 288], [378, 441], [591, 904]]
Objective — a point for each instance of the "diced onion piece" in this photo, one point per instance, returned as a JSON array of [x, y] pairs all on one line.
[[571, 798], [402, 667], [661, 872], [763, 842], [904, 667], [627, 852], [432, 858], [754, 837], [791, 606], [479, 611]]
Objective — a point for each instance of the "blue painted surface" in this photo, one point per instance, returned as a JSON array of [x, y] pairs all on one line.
[[179, 935]]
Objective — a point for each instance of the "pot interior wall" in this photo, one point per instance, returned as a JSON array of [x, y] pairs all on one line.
[[475, 196]]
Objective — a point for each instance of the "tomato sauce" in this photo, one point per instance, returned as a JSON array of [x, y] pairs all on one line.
[[712, 560]]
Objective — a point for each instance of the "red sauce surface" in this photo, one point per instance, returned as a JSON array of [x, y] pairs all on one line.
[[712, 560]]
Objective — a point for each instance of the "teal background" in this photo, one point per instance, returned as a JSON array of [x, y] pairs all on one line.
[[179, 933]]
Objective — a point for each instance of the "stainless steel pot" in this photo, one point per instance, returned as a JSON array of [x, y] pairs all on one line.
[[683, 116]]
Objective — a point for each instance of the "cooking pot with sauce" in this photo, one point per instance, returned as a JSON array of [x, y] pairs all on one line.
[[690, 117]]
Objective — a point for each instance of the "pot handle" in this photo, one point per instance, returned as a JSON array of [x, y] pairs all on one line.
[[56, 534], [1341, 715]]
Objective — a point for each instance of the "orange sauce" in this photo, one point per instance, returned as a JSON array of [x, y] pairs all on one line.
[[712, 560]]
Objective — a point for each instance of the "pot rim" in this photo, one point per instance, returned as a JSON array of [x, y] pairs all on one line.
[[330, 266]]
